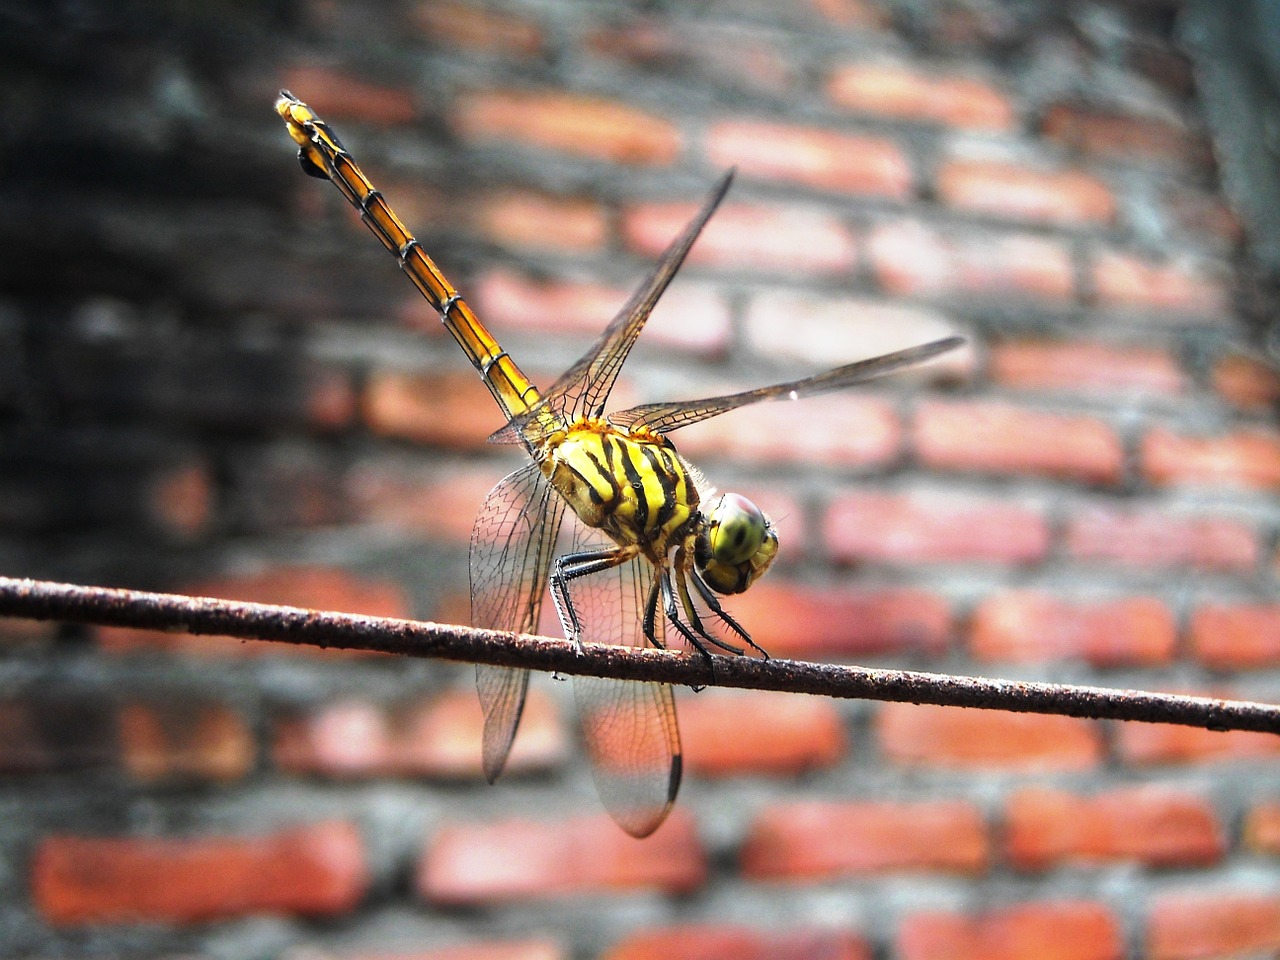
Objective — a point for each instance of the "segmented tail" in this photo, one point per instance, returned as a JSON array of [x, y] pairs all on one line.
[[322, 155]]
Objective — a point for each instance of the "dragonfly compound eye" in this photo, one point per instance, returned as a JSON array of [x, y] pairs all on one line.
[[736, 545]]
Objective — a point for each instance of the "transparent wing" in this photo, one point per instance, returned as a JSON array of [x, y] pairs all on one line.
[[665, 417], [629, 727], [512, 544], [585, 386]]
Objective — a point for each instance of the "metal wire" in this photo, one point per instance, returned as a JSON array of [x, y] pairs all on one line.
[[44, 600]]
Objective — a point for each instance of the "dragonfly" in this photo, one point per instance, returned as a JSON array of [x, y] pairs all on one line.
[[628, 539]]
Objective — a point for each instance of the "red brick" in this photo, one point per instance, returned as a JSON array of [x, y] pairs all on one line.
[[1262, 828], [523, 860], [859, 14], [440, 409], [331, 400], [786, 240], [910, 259], [1152, 537], [827, 331], [533, 949], [1179, 287], [843, 431], [315, 870], [725, 942], [1236, 636], [439, 737], [812, 157], [1113, 135], [185, 739], [1153, 826], [568, 123], [1202, 217], [761, 732], [903, 93], [1200, 924], [1010, 191], [1164, 744], [459, 25], [441, 505], [821, 841], [57, 734], [1087, 368], [317, 588], [999, 438], [838, 623], [1246, 458], [541, 222], [1030, 627], [337, 95], [1246, 383], [962, 738], [182, 499], [910, 529], [1065, 930], [688, 317]]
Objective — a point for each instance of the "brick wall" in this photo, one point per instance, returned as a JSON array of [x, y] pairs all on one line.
[[215, 382]]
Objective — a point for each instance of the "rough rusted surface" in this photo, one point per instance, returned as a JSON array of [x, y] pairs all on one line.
[[42, 600]]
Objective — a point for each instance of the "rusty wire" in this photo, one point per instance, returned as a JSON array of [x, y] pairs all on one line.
[[44, 600]]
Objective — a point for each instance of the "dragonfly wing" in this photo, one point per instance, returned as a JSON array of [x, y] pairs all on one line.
[[629, 727], [512, 544], [665, 417], [585, 386]]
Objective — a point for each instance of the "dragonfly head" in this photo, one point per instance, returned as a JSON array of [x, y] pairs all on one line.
[[735, 544]]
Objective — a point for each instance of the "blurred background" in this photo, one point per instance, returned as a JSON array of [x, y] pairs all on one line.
[[214, 381]]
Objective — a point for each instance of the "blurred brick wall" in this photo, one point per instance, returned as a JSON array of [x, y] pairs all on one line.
[[214, 381]]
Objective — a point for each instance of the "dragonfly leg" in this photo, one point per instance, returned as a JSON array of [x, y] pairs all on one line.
[[713, 603], [672, 607], [649, 623], [570, 567], [695, 621]]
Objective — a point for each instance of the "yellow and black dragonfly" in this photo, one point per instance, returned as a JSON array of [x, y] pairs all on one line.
[[649, 548]]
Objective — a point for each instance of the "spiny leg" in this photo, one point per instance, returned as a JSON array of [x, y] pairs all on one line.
[[649, 623], [570, 567], [671, 607], [695, 621], [713, 604]]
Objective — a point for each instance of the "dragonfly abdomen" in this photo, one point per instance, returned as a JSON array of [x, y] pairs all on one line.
[[634, 488]]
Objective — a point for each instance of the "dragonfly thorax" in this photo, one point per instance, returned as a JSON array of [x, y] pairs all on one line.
[[734, 545]]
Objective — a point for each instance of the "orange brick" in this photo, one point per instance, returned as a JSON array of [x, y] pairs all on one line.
[[962, 738], [827, 331], [439, 737], [1089, 368], [1179, 287], [317, 588], [918, 528], [336, 95], [1236, 636], [1246, 383], [903, 93], [185, 739], [913, 260], [1156, 538], [1246, 458], [725, 942], [844, 431], [1121, 136], [315, 870], [1197, 924], [820, 841], [182, 499], [538, 949], [1154, 826], [568, 123], [1262, 828], [785, 240], [459, 25], [1009, 191], [523, 860], [858, 14], [1000, 438], [812, 157], [442, 505], [833, 623], [1164, 744], [442, 409], [1065, 930], [541, 222], [729, 733], [688, 317], [1031, 627]]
